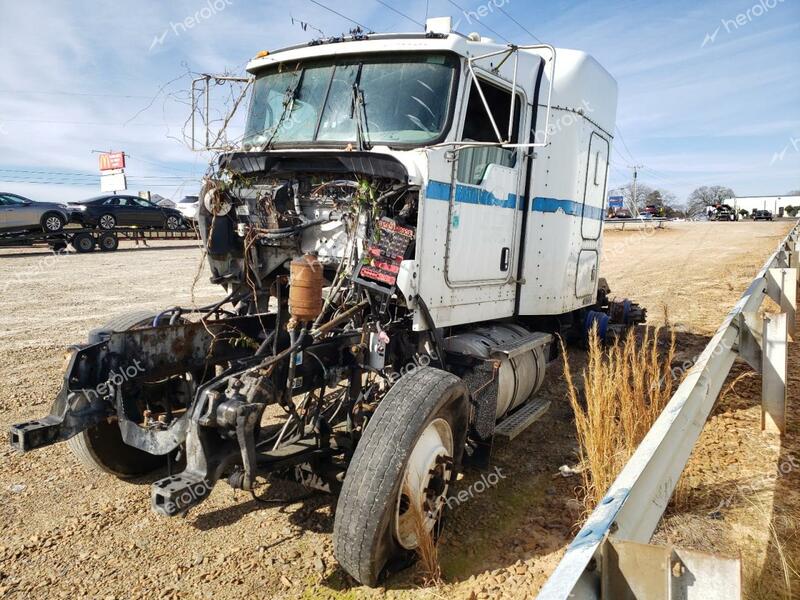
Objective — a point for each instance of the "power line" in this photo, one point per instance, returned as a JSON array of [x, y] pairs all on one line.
[[661, 177], [402, 14], [622, 139], [81, 174], [329, 9], [619, 154], [151, 162], [62, 93], [52, 122], [90, 183], [500, 35], [525, 29]]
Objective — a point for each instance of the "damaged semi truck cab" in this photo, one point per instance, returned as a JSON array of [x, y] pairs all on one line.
[[409, 222]]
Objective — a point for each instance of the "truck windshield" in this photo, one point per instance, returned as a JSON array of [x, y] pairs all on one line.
[[400, 99]]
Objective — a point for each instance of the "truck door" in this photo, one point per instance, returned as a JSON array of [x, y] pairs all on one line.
[[592, 214], [485, 194], [594, 193]]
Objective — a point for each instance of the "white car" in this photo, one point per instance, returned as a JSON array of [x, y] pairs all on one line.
[[188, 207]]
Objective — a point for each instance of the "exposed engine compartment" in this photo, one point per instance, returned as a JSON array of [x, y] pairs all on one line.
[[275, 213]]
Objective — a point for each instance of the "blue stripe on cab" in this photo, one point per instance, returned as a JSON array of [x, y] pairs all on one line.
[[439, 190], [569, 207]]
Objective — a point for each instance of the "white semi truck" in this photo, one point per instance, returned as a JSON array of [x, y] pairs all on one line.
[[408, 224]]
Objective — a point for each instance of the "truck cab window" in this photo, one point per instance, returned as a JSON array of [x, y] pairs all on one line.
[[473, 162]]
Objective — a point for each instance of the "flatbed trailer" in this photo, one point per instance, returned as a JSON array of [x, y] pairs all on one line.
[[87, 239]]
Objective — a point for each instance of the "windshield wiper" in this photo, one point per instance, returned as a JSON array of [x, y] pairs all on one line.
[[288, 102], [358, 112]]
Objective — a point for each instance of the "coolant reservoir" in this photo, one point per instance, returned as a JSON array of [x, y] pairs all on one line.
[[305, 288]]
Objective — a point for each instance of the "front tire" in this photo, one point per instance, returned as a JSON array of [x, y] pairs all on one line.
[[53, 222], [107, 221], [408, 456]]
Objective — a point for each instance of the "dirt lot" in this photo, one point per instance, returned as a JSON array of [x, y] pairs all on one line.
[[68, 532]]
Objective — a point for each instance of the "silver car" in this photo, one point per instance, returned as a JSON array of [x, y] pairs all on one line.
[[19, 213], [188, 206]]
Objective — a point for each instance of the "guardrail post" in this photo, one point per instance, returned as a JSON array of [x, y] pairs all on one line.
[[633, 570], [792, 248], [773, 373], [749, 343], [794, 260], [782, 288]]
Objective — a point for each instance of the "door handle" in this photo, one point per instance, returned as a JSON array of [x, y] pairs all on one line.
[[504, 254]]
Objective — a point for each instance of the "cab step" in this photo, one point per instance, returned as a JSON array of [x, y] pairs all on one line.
[[519, 421]]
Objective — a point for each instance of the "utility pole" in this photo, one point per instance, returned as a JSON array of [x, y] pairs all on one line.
[[635, 177]]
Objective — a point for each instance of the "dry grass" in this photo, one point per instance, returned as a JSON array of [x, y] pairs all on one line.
[[776, 574], [625, 387], [429, 569]]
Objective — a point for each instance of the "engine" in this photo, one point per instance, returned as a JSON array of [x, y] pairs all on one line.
[[255, 223]]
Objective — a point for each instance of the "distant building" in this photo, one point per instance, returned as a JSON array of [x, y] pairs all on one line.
[[774, 204]]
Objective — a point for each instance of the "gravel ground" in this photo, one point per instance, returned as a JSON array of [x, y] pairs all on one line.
[[69, 532]]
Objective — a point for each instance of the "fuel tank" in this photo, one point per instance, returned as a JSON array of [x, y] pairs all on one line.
[[520, 377]]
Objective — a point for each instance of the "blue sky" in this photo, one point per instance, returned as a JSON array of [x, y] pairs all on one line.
[[709, 92]]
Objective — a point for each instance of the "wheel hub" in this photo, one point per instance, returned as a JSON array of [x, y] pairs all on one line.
[[424, 490]]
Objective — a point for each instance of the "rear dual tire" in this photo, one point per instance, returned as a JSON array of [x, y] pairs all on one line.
[[83, 242]]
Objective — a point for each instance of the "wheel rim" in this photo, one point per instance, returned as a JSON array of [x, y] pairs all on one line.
[[53, 223], [107, 222], [172, 223], [425, 483], [107, 242], [85, 244]]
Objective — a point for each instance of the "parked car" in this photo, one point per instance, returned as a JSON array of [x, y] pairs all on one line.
[[762, 215], [622, 213], [188, 205], [24, 214], [723, 212], [114, 210], [651, 210]]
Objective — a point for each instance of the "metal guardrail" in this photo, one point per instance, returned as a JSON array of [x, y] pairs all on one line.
[[635, 502]]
